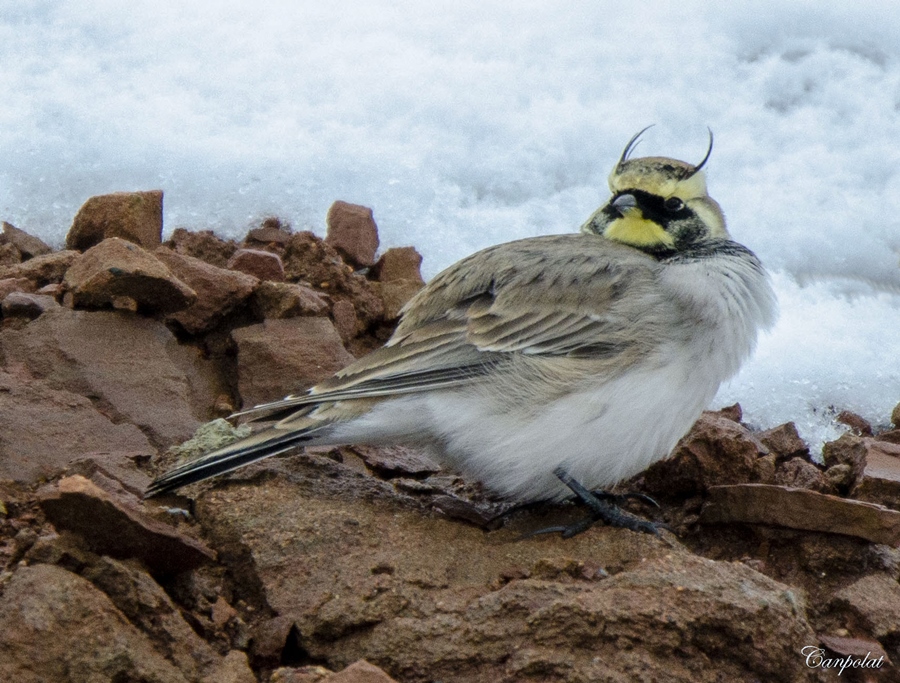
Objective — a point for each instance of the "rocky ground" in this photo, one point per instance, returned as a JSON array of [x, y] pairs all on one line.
[[363, 565]]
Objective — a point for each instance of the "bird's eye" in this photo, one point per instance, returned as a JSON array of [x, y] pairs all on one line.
[[674, 204]]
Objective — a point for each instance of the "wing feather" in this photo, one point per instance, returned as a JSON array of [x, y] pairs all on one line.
[[562, 295]]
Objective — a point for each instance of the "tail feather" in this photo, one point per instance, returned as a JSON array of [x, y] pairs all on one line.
[[255, 447]]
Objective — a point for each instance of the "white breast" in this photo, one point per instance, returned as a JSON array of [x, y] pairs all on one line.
[[610, 428]]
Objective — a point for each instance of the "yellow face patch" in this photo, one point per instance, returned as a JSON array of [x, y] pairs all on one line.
[[635, 230]]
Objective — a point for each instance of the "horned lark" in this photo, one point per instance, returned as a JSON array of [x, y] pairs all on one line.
[[551, 363]]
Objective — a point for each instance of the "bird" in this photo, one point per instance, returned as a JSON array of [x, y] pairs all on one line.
[[550, 365]]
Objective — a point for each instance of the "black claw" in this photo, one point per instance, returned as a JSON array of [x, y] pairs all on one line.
[[603, 508], [620, 498]]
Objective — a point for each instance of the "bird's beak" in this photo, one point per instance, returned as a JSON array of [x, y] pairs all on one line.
[[624, 204]]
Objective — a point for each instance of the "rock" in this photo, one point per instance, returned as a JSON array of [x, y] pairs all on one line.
[[114, 471], [27, 245], [346, 322], [132, 216], [801, 509], [895, 416], [302, 674], [278, 357], [785, 442], [426, 597], [875, 602], [45, 429], [287, 300], [352, 231], [309, 259], [396, 460], [398, 263], [234, 668], [733, 412], [855, 647], [219, 291], [9, 255], [146, 605], [117, 268], [15, 284], [801, 474], [132, 366], [273, 233], [891, 436], [42, 270], [395, 295], [857, 423], [23, 305], [880, 482], [260, 264], [847, 450], [269, 640], [360, 672], [716, 451], [56, 626], [117, 527], [204, 245]]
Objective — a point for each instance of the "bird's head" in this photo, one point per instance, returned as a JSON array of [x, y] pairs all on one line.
[[658, 205]]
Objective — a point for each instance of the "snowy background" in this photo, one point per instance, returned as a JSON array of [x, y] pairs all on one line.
[[465, 124]]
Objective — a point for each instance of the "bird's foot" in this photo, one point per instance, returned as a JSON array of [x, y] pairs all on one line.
[[602, 506]]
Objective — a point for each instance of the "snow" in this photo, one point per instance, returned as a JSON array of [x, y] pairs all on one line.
[[466, 124]]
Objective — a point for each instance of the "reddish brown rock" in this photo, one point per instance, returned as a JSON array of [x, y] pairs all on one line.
[[273, 234], [147, 606], [114, 471], [204, 245], [875, 601], [801, 474], [855, 647], [360, 672], [346, 322], [260, 264], [396, 460], [27, 245], [269, 640], [45, 429], [15, 284], [891, 436], [300, 674], [880, 482], [42, 270], [716, 451], [116, 268], [848, 450], [352, 231], [425, 597], [784, 442], [9, 255], [308, 259], [278, 357], [395, 295], [132, 216], [56, 626], [117, 527], [218, 291], [24, 305], [801, 509], [133, 367], [287, 300], [233, 668], [398, 263], [857, 423]]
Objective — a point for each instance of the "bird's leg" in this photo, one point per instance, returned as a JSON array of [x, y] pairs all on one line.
[[620, 498], [602, 509]]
